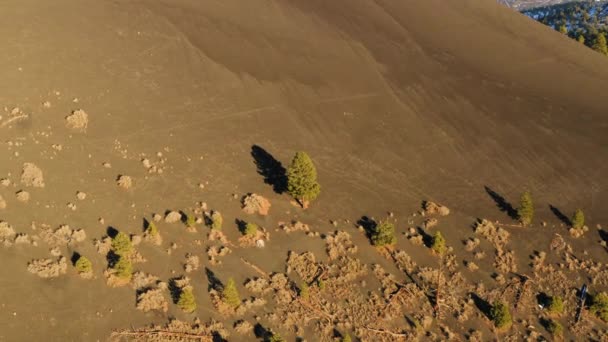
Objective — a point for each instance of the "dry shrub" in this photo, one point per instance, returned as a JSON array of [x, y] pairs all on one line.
[[294, 227], [304, 264], [471, 244], [243, 327], [152, 300], [141, 280], [2, 202], [62, 236], [31, 176], [173, 217], [124, 182], [505, 261], [496, 235], [339, 243], [7, 234], [23, 196], [431, 208], [192, 263], [254, 203], [48, 268], [78, 120]]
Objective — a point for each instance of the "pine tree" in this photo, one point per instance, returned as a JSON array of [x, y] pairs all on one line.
[[555, 328], [250, 229], [216, 220], [123, 267], [121, 244], [581, 39], [578, 219], [275, 337], [438, 243], [230, 294], [186, 300], [302, 179], [346, 338], [500, 315], [383, 234], [555, 305], [600, 44], [599, 306], [525, 212], [83, 265], [304, 291], [563, 29], [152, 230]]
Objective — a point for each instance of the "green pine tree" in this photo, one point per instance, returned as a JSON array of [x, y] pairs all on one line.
[[438, 244], [384, 234], [216, 220], [500, 315], [555, 305], [302, 179], [250, 229], [123, 267], [599, 306], [600, 44], [581, 39], [578, 219], [304, 291], [555, 328], [230, 294], [346, 338], [275, 337], [186, 300], [152, 230], [563, 29], [83, 265], [525, 212], [121, 244]]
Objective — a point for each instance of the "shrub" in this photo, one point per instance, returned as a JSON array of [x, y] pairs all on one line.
[[216, 220], [250, 229], [599, 307], [555, 328], [152, 230], [578, 219], [302, 179], [83, 265], [275, 337], [525, 213], [230, 294], [321, 284], [304, 291], [123, 267], [121, 244], [186, 300], [438, 244], [500, 315], [346, 338], [384, 234], [190, 220], [555, 305]]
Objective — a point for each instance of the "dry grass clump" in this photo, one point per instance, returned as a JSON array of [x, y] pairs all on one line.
[[496, 235], [175, 331], [471, 244], [243, 327], [253, 203], [294, 227], [213, 252], [7, 234], [430, 223], [23, 196], [124, 182], [142, 280], [431, 208], [152, 300], [192, 263], [62, 236], [31, 176], [78, 120], [48, 268], [304, 265], [505, 261], [339, 243], [173, 217], [578, 232]]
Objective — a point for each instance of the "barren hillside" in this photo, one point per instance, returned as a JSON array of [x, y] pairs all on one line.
[[395, 101]]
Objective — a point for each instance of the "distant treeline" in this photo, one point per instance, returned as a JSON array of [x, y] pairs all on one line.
[[584, 21]]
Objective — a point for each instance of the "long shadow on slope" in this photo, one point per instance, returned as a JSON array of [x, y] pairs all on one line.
[[560, 215], [483, 305], [271, 169], [502, 203]]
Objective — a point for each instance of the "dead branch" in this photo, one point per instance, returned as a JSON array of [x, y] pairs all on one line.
[[257, 269], [148, 333]]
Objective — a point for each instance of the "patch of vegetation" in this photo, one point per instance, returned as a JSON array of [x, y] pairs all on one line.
[[302, 182], [152, 230], [438, 243], [321, 284], [525, 213], [121, 244], [555, 328], [599, 306], [578, 219], [275, 337], [304, 291], [500, 315], [216, 220], [190, 220], [555, 305], [186, 300], [250, 229], [123, 268], [83, 265], [346, 338], [230, 294], [383, 234]]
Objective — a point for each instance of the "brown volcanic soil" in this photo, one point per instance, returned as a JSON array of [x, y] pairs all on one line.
[[396, 102]]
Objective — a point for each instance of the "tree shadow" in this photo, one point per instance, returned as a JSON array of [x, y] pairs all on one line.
[[112, 232], [241, 225], [261, 332], [214, 282], [502, 203], [482, 305], [603, 235], [175, 290], [368, 224], [145, 224], [75, 257], [560, 215], [427, 239], [271, 169], [543, 299]]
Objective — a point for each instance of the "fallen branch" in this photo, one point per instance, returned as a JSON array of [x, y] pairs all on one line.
[[147, 333], [15, 118], [257, 269], [382, 331]]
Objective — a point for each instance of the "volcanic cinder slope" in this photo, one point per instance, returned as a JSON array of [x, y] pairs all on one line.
[[396, 102]]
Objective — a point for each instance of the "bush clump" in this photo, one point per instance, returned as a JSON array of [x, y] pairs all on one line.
[[83, 265], [186, 300], [438, 243], [599, 306], [578, 219], [230, 294], [555, 328], [250, 229], [500, 315], [555, 305], [121, 244], [190, 220], [302, 182], [525, 213], [275, 337], [346, 338], [152, 229], [123, 268], [304, 291], [216, 220], [383, 234]]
